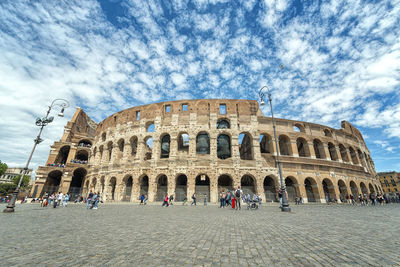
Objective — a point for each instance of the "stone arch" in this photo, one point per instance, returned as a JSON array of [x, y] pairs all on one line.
[[225, 183], [266, 145], [270, 185], [329, 190], [202, 186], [343, 153], [248, 184], [148, 150], [134, 144], [81, 156], [292, 188], [121, 146], [354, 189], [203, 143], [371, 189], [150, 127], [376, 189], [298, 127], [285, 147], [103, 137], [162, 187], [144, 185], [332, 151], [94, 183], [75, 187], [353, 155], [128, 185], [165, 143], [343, 190], [311, 188], [364, 189], [109, 148], [302, 147], [62, 155], [101, 150], [224, 146], [327, 133], [111, 188], [183, 142], [223, 123], [102, 185], [245, 146], [319, 149], [85, 143], [362, 159], [180, 187], [52, 183]]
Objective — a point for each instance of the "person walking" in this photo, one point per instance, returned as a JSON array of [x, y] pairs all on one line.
[[60, 198], [205, 199], [184, 200], [238, 195], [171, 199], [194, 202], [89, 199], [65, 200], [165, 203], [141, 199], [280, 198], [55, 201]]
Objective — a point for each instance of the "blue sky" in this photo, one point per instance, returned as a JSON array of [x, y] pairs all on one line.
[[341, 58]]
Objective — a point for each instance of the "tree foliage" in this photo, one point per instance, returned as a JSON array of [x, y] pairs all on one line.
[[25, 180], [3, 168], [7, 188]]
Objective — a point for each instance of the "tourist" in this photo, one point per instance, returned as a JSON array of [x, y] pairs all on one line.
[[259, 199], [165, 203], [54, 199], [65, 200], [205, 199], [194, 200], [228, 198], [59, 198], [145, 200], [184, 200], [353, 202], [238, 195], [171, 198], [280, 198], [296, 200], [141, 199], [222, 199], [96, 200], [89, 199]]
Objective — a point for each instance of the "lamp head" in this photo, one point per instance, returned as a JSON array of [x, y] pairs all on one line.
[[262, 103], [50, 119], [61, 114]]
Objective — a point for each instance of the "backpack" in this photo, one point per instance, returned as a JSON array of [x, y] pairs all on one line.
[[237, 193]]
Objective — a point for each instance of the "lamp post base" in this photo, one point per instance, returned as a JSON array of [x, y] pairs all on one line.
[[11, 204], [286, 209]]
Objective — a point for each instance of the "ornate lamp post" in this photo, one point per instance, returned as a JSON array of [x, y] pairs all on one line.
[[41, 122], [261, 93]]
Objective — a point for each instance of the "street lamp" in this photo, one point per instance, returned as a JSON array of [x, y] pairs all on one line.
[[41, 122], [261, 93]]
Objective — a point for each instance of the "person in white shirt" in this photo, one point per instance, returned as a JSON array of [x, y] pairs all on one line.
[[59, 198]]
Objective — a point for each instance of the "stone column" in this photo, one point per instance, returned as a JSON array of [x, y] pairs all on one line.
[[152, 189], [295, 152], [190, 189], [171, 186], [213, 147], [213, 190], [339, 155], [71, 154], [312, 151], [326, 151]]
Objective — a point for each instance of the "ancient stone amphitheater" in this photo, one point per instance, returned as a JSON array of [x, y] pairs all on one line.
[[205, 146]]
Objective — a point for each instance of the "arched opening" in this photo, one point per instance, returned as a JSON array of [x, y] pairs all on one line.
[[202, 143], [121, 146], [101, 150], [102, 185], [291, 188], [85, 143], [248, 185], [332, 151], [284, 145], [165, 144], [128, 188], [112, 185], [81, 157], [62, 155], [109, 148], [342, 190], [103, 137], [223, 146], [302, 147], [376, 189], [75, 188], [319, 149], [183, 142], [329, 190], [148, 149], [371, 189], [223, 124], [354, 189], [361, 157], [52, 182], [299, 128], [266, 143], [353, 156], [134, 144], [364, 189], [150, 127], [343, 153], [162, 187], [144, 185], [225, 183], [245, 146], [327, 133], [269, 189], [94, 182], [202, 186], [181, 187], [311, 190]]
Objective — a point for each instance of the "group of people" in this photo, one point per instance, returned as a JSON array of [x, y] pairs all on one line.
[[55, 199], [235, 197], [60, 165], [79, 161], [85, 145], [92, 200]]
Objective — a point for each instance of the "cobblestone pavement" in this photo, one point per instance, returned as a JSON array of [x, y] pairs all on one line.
[[132, 235]]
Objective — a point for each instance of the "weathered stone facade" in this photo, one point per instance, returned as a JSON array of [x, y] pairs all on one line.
[[205, 146]]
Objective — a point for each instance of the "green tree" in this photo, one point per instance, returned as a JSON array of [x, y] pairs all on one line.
[[3, 168], [25, 180], [7, 188]]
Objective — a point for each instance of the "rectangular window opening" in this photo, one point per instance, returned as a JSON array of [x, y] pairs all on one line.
[[137, 115], [167, 108], [222, 109], [184, 107]]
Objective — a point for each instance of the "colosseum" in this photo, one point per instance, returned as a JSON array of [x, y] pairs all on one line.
[[205, 146]]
